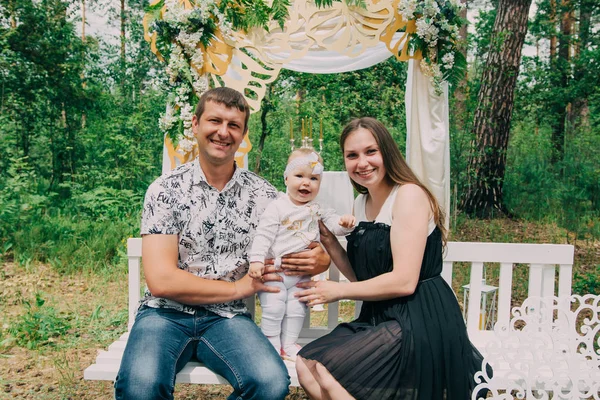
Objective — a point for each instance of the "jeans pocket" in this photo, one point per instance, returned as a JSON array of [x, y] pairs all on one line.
[[142, 312]]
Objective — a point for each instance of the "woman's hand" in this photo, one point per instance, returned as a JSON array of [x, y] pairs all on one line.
[[328, 239], [319, 292], [308, 262]]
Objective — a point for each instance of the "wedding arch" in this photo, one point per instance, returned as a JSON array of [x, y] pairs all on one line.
[[202, 45]]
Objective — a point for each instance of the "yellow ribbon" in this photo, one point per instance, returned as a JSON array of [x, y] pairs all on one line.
[[407, 27]]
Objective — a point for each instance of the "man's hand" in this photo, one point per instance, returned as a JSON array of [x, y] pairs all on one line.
[[248, 286], [308, 262], [319, 292]]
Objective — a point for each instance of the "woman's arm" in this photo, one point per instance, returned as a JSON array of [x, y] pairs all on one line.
[[337, 253], [408, 236]]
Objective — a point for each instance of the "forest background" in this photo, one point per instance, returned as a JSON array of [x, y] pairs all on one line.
[[80, 143]]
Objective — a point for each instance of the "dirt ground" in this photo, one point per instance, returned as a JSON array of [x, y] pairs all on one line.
[[55, 370]]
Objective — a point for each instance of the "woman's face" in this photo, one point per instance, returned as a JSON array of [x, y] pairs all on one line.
[[363, 158]]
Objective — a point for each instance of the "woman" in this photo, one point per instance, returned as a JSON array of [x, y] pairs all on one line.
[[410, 341]]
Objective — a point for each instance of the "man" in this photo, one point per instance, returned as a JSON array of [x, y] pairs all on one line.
[[197, 224]]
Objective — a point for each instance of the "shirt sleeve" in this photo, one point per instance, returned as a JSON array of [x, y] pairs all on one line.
[[266, 231], [332, 222], [158, 216]]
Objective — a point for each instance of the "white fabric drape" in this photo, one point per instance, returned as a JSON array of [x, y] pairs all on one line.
[[427, 135], [331, 62], [336, 192]]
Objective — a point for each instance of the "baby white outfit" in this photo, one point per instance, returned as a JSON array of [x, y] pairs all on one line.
[[288, 228]]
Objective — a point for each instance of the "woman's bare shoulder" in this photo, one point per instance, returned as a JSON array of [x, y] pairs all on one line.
[[410, 191]]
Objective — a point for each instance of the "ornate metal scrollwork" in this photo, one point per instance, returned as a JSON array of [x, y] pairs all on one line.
[[549, 350]]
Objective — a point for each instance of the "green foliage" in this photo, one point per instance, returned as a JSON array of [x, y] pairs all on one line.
[[72, 243], [77, 158], [457, 73], [249, 14], [587, 282], [107, 325], [567, 192], [333, 100], [107, 204], [39, 326], [19, 201]]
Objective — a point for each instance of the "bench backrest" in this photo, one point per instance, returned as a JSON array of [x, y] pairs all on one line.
[[542, 260]]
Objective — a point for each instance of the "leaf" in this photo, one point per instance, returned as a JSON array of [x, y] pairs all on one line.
[[39, 301], [279, 10], [457, 73]]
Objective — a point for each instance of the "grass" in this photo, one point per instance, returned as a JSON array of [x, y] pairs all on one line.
[[93, 303]]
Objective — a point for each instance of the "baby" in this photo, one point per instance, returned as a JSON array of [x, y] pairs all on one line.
[[288, 225]]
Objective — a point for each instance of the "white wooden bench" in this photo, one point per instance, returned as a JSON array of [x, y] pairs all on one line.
[[543, 261]]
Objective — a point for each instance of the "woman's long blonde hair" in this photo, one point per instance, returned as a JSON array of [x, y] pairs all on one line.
[[397, 170]]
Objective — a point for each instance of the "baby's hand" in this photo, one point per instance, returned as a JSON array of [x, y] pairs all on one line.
[[347, 221], [256, 270]]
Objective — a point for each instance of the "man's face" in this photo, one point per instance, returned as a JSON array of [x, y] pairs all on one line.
[[219, 132]]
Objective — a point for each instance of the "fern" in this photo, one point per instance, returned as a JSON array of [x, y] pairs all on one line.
[[279, 10], [458, 71]]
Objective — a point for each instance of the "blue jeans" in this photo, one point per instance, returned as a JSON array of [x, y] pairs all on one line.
[[163, 340]]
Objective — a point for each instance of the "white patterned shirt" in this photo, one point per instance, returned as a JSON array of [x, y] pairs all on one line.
[[214, 228], [287, 228]]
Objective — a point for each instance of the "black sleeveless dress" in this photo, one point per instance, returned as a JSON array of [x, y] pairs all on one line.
[[413, 347]]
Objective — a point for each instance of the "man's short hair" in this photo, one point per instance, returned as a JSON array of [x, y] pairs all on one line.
[[229, 97]]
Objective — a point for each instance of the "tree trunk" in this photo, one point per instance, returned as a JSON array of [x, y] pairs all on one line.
[[83, 20], [579, 115], [11, 9], [491, 126], [83, 83], [553, 34], [123, 22], [265, 131], [460, 93], [563, 67]]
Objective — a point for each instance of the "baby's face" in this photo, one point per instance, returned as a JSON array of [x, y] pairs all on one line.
[[303, 186]]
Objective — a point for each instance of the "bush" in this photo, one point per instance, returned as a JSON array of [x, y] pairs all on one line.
[[567, 192], [105, 203], [19, 201], [72, 243], [39, 325], [586, 282]]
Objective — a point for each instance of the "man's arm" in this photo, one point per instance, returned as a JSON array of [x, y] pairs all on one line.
[[308, 262], [164, 279]]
